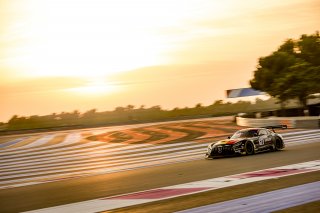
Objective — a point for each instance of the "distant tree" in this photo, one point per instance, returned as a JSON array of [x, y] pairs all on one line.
[[13, 119], [293, 71], [119, 109], [271, 73], [129, 107], [308, 48], [76, 113], [89, 113], [156, 108], [288, 47], [218, 102], [305, 80]]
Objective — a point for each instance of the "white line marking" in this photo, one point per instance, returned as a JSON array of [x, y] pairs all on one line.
[[70, 139], [101, 159], [51, 148], [104, 163], [140, 164], [83, 154], [40, 141], [317, 135], [300, 132]]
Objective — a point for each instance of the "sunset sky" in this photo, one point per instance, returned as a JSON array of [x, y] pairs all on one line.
[[65, 55]]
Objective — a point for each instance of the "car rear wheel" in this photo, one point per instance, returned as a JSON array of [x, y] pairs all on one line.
[[278, 145], [249, 148]]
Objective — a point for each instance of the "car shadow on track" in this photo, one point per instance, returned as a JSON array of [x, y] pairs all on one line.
[[241, 156]]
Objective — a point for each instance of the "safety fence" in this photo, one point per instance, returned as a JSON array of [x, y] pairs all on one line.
[[311, 122]]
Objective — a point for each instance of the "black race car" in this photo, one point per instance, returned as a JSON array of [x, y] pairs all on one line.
[[248, 142]]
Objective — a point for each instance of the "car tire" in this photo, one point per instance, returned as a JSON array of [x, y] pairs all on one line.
[[278, 145], [272, 148], [249, 148], [207, 157]]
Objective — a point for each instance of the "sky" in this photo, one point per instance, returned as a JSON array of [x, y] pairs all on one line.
[[65, 55]]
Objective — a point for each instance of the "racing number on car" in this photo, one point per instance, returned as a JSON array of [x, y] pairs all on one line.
[[261, 141]]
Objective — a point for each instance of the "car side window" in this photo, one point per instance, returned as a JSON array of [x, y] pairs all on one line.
[[263, 132]]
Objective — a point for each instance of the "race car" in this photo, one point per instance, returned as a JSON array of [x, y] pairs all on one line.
[[248, 142]]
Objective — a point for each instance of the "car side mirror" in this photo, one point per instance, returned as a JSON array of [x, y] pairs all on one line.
[[229, 137]]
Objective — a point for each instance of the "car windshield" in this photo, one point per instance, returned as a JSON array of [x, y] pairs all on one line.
[[245, 134]]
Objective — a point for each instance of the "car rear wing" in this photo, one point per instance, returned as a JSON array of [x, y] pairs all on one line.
[[276, 127]]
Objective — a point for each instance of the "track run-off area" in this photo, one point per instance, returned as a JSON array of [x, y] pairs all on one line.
[[50, 169]]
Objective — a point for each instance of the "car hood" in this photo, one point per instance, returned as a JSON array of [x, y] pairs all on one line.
[[228, 141]]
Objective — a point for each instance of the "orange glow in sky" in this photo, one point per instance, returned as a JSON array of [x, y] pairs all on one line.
[[94, 87], [62, 55]]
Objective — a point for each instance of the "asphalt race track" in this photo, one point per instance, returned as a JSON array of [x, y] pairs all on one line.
[[50, 169]]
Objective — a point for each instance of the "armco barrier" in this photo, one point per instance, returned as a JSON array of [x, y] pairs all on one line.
[[312, 122]]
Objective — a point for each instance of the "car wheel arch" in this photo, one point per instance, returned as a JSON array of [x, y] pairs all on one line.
[[278, 142], [251, 152]]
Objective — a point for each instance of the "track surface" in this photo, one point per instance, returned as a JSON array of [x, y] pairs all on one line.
[[26, 162]]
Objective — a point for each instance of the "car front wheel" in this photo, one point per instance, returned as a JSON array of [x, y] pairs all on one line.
[[249, 148]]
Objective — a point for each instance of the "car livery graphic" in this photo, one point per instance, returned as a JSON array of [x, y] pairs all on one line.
[[248, 142]]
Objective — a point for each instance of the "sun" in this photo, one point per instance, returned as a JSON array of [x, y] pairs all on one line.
[[95, 87]]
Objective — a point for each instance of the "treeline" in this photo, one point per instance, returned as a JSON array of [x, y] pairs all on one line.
[[131, 114]]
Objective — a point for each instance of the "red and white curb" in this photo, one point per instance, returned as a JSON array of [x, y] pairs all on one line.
[[152, 195], [265, 202]]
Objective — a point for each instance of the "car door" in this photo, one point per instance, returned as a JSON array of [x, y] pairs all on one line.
[[263, 138], [270, 139]]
